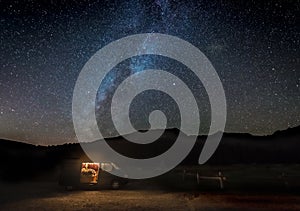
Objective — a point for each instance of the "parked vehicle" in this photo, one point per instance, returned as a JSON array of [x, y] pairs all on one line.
[[77, 174]]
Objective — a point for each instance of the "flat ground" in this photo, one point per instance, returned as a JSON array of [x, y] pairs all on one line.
[[139, 196], [251, 187]]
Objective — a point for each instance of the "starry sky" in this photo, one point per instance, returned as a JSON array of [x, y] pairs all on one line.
[[253, 45]]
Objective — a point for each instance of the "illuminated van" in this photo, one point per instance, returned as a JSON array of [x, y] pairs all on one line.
[[77, 174]]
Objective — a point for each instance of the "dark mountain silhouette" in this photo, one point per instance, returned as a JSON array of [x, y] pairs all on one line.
[[25, 161]]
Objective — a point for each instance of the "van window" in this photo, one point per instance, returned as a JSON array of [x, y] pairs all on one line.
[[106, 167]]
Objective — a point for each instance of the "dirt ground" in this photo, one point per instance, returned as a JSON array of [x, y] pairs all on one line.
[[137, 196]]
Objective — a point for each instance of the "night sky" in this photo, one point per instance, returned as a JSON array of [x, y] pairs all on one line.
[[253, 45]]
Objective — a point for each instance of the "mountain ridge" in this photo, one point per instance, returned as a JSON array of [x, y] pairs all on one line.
[[287, 132]]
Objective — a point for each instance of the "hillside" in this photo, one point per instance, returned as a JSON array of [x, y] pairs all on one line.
[[30, 160]]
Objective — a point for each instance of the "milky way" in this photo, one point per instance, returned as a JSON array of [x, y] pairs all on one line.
[[253, 45]]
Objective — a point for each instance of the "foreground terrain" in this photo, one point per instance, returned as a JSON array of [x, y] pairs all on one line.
[[139, 195]]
